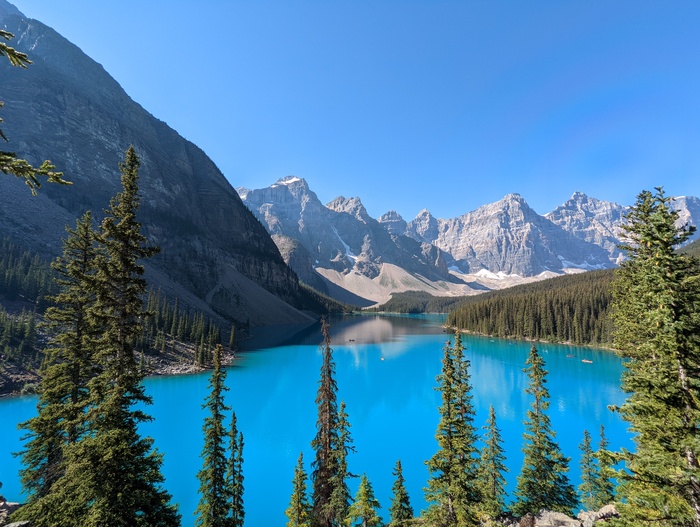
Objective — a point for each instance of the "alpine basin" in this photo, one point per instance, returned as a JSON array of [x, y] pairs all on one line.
[[385, 369]]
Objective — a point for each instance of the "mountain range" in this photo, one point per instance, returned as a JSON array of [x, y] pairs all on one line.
[[341, 250], [240, 257]]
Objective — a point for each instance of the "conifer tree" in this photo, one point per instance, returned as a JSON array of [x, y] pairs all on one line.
[[401, 511], [67, 368], [363, 512], [542, 483], [656, 313], [214, 508], [234, 475], [324, 466], [453, 490], [492, 469], [341, 497], [605, 488], [590, 475], [299, 511], [112, 474]]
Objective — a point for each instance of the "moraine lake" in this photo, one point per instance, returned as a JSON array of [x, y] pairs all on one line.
[[385, 370]]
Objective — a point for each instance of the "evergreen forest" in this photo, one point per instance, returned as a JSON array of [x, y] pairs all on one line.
[[570, 308]]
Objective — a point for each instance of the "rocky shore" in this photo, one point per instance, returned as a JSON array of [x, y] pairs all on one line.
[[177, 359]]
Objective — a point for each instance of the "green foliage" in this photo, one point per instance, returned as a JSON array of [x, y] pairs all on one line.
[[340, 496], [542, 483], [692, 249], [590, 475], [107, 473], [68, 366], [364, 509], [420, 302], [657, 331], [571, 308], [453, 492], [324, 466], [605, 488], [299, 511], [24, 276], [234, 474], [213, 509], [315, 301], [401, 511], [492, 468]]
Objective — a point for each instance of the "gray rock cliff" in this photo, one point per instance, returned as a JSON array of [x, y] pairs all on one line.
[[67, 108]]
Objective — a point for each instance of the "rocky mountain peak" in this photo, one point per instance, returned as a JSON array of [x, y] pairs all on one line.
[[352, 206], [393, 222]]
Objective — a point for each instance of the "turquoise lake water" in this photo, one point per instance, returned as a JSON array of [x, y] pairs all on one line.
[[385, 370]]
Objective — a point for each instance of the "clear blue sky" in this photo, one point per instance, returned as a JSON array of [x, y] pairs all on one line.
[[444, 105]]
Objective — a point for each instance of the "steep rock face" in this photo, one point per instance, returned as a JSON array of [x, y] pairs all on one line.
[[600, 222], [67, 108], [688, 208], [393, 222], [340, 236], [591, 220], [507, 237]]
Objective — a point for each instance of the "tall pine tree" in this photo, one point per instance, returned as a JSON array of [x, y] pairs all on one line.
[[542, 483], [341, 497], [453, 491], [214, 506], [324, 467], [63, 395], [492, 469], [401, 511], [656, 313], [590, 475], [234, 475], [299, 511], [605, 489]]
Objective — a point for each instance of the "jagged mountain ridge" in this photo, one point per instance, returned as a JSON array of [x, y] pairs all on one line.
[[505, 241], [507, 237], [600, 222], [324, 244], [66, 107]]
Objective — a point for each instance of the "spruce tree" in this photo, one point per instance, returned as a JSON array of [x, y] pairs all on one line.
[[214, 507], [112, 474], [453, 491], [234, 475], [324, 466], [605, 488], [401, 511], [363, 512], [66, 370], [590, 475], [656, 314], [299, 511], [492, 469], [341, 497], [542, 483]]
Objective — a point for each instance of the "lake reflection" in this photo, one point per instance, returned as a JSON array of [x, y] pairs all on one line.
[[386, 369]]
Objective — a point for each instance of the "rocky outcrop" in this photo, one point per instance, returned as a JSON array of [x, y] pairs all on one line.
[[67, 108], [592, 220], [557, 519]]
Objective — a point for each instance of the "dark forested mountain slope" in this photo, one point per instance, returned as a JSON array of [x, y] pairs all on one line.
[[67, 108]]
